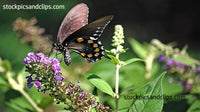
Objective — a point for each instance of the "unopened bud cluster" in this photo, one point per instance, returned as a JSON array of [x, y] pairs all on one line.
[[33, 35]]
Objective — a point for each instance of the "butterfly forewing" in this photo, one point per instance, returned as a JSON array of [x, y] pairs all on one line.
[[93, 29], [76, 18]]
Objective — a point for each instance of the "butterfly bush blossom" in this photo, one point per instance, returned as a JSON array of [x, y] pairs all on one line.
[[45, 74], [187, 76], [118, 40]]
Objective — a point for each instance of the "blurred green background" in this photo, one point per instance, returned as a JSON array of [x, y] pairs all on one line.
[[166, 20]]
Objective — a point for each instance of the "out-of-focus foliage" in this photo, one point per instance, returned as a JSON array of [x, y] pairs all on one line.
[[27, 32]]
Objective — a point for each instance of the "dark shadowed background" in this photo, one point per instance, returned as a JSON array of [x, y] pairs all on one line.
[[168, 20]]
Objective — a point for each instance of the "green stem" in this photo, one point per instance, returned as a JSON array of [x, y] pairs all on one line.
[[30, 100], [20, 87], [116, 96]]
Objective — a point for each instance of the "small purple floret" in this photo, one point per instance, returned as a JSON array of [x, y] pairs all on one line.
[[58, 78], [198, 69], [161, 58], [37, 84], [29, 79], [188, 86], [170, 62], [181, 83], [31, 54], [29, 85], [171, 80], [180, 64], [67, 90], [81, 95], [26, 60]]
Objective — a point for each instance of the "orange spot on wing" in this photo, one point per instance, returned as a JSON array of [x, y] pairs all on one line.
[[82, 54], [95, 45], [89, 55], [80, 39], [96, 50], [96, 54], [90, 42]]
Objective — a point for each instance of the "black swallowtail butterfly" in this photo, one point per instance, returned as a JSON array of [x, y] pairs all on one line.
[[77, 35]]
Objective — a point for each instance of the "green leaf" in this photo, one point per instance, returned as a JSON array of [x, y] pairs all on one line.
[[113, 59], [184, 50], [131, 61], [45, 102], [99, 83], [20, 104], [184, 60], [138, 48], [7, 65], [3, 82], [127, 97], [138, 89], [194, 107], [151, 100]]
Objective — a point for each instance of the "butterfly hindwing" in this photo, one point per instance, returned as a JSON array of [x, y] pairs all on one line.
[[88, 47]]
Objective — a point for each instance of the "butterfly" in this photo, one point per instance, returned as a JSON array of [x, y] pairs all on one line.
[[77, 35]]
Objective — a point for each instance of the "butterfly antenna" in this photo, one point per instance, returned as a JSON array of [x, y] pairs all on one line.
[[106, 56]]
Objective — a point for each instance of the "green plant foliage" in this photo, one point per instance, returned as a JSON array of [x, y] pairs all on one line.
[[132, 60], [99, 83], [20, 104], [194, 107], [113, 59], [138, 48], [144, 98]]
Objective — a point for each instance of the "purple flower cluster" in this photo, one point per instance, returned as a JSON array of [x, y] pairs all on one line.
[[39, 66], [79, 98], [40, 58], [169, 63], [182, 73], [45, 74]]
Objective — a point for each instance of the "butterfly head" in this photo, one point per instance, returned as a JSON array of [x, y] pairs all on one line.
[[58, 47]]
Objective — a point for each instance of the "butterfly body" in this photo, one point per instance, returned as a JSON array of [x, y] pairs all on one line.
[[77, 35]]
